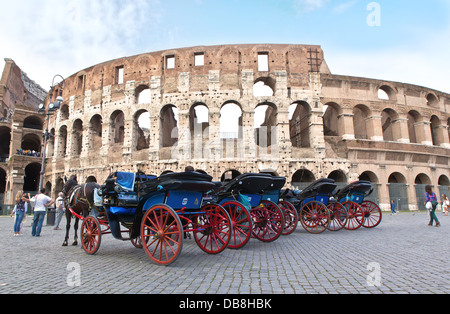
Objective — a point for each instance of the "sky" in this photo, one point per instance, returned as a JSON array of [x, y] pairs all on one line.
[[393, 40]]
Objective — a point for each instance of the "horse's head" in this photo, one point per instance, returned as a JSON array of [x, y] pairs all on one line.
[[69, 185]]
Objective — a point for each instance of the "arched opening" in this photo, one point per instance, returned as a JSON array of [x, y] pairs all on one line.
[[64, 112], [331, 119], [77, 137], [143, 94], [398, 191], [2, 186], [32, 144], [169, 126], [91, 179], [300, 124], [390, 132], [199, 129], [420, 182], [5, 142], [264, 87], [444, 186], [142, 129], [360, 115], [117, 127], [33, 123], [339, 178], [386, 92], [31, 179], [231, 130], [302, 179], [62, 142], [265, 122], [95, 133], [436, 131], [432, 100], [413, 128]]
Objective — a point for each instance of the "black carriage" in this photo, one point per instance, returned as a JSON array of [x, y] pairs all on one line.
[[255, 214], [361, 212], [157, 213]]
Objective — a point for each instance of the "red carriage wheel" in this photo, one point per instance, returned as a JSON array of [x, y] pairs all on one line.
[[268, 222], [338, 216], [315, 217], [372, 214], [161, 233], [91, 235], [355, 215], [212, 229], [290, 217], [241, 224]]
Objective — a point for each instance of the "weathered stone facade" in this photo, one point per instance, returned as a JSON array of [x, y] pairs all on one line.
[[311, 123], [21, 129]]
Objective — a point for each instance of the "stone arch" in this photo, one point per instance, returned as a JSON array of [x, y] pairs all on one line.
[[302, 178], [332, 111], [77, 137], [398, 190], [95, 132], [390, 129], [300, 124], [231, 120], [31, 142], [141, 123], [199, 129], [117, 127], [386, 92], [31, 178], [432, 100], [436, 134], [230, 175], [143, 94], [5, 142], [360, 115], [64, 112], [62, 141], [34, 123], [265, 124], [264, 87], [168, 126], [414, 131]]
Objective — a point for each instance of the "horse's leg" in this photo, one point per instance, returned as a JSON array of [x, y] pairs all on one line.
[[69, 218], [75, 240]]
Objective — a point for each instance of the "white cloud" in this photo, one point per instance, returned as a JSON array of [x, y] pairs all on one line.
[[305, 6], [53, 36]]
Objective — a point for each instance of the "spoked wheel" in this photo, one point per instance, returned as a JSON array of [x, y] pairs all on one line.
[[372, 214], [338, 216], [162, 234], [241, 224], [290, 217], [212, 229], [268, 221], [315, 217], [91, 235], [355, 216]]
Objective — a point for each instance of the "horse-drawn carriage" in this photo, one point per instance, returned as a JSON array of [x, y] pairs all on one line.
[[157, 213], [252, 200]]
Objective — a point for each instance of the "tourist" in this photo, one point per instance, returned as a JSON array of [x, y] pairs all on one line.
[[393, 212], [19, 211], [60, 208], [42, 201], [431, 204], [445, 204]]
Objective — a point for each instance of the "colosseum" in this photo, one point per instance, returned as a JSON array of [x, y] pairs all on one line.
[[232, 109]]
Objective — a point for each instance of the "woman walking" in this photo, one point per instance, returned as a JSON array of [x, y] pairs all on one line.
[[19, 210], [431, 204]]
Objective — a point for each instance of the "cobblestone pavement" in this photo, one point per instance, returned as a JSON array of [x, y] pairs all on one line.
[[402, 255]]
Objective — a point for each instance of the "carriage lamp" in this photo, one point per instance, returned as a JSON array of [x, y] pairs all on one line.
[[52, 107]]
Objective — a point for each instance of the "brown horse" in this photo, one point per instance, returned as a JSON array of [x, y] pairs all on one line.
[[80, 199]]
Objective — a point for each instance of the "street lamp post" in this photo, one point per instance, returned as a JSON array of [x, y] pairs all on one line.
[[52, 107]]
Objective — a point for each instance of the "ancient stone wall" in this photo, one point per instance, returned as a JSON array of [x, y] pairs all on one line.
[[197, 106]]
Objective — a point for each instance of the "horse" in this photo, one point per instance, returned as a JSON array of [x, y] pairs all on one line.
[[78, 198]]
